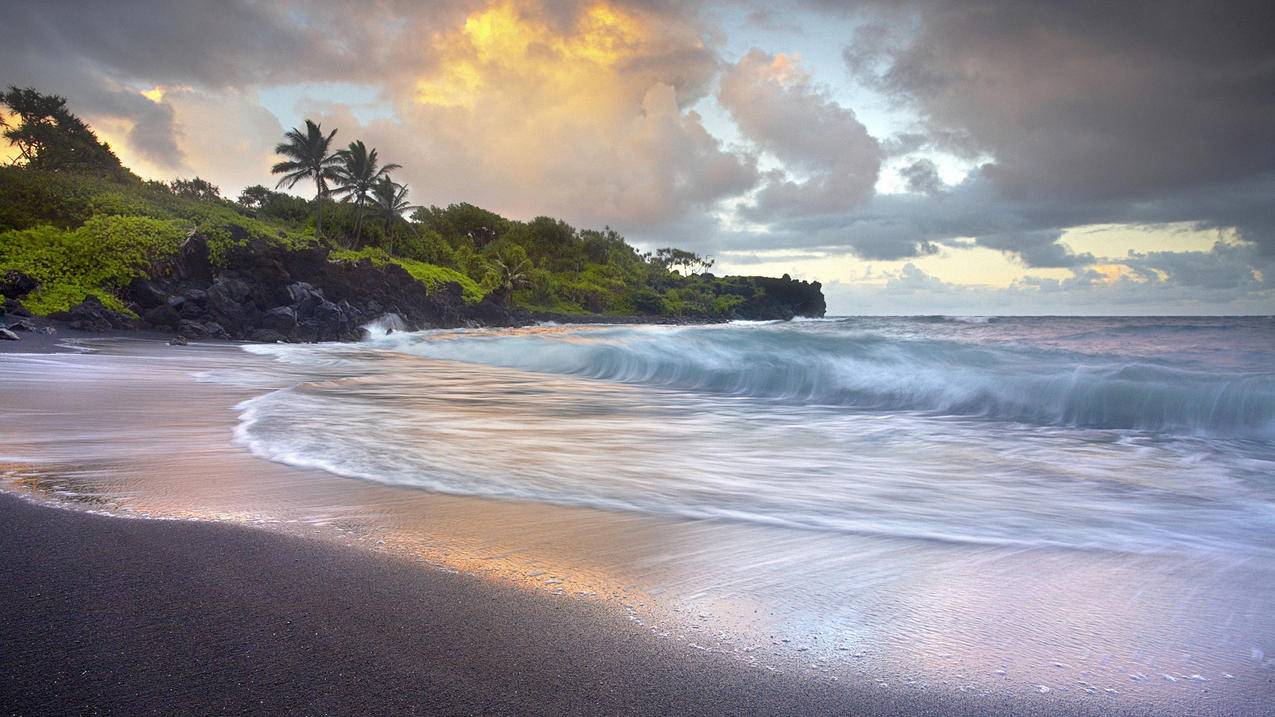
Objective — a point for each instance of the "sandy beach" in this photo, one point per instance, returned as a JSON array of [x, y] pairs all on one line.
[[154, 565], [126, 616]]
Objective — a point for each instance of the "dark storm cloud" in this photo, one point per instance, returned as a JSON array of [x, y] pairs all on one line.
[[165, 42], [1097, 98], [1089, 111]]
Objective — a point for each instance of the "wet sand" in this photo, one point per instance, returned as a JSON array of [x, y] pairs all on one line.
[[355, 596], [117, 616]]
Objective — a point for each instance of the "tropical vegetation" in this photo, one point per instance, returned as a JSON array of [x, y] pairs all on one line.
[[78, 221]]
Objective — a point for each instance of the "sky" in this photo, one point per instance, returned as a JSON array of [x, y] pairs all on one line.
[[980, 157]]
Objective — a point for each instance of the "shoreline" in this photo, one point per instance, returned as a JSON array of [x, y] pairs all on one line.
[[41, 342], [936, 636], [126, 616]]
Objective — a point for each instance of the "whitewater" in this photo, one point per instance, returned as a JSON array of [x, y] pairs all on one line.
[[1133, 435]]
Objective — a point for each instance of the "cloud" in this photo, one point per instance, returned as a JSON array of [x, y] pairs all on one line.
[[102, 55], [1036, 248], [577, 109], [1091, 102], [1219, 281], [785, 113], [1059, 115], [922, 177], [583, 115]]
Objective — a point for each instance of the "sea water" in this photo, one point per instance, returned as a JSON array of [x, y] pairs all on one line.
[[1057, 508], [1137, 435]]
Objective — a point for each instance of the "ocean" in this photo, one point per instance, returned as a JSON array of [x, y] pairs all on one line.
[[1072, 510], [1145, 434]]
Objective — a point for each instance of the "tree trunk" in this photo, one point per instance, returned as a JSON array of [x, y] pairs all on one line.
[[318, 223], [358, 221]]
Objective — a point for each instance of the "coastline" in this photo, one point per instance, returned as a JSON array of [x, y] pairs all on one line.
[[936, 637], [117, 616]]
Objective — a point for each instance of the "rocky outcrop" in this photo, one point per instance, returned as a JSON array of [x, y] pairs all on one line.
[[91, 315], [260, 291], [781, 298], [264, 292]]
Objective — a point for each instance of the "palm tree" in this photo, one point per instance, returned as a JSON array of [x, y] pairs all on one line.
[[356, 176], [510, 273], [308, 158], [390, 199]]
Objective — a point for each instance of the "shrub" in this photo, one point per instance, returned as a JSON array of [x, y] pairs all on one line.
[[99, 258]]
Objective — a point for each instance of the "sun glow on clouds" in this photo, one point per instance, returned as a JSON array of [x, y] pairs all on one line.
[[503, 40], [580, 114]]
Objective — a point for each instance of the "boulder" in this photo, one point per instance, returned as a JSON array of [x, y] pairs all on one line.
[[231, 287], [305, 298], [91, 315], [28, 327], [144, 293], [194, 262], [328, 311], [307, 331], [191, 310], [7, 335], [162, 315], [15, 307], [15, 284], [179, 341], [201, 329], [224, 302], [282, 319], [215, 330]]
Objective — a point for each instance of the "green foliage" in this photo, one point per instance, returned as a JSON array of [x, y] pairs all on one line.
[[459, 222], [98, 258], [671, 258], [359, 172], [425, 245], [431, 275], [195, 189], [265, 203], [80, 227], [30, 198], [308, 157]]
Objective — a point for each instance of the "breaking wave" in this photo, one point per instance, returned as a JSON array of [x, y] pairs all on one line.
[[841, 364]]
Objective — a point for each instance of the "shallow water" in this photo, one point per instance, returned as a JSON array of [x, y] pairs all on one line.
[[1080, 505]]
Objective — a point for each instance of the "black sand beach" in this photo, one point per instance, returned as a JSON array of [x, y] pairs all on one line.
[[122, 616]]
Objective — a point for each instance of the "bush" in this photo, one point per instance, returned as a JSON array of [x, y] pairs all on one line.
[[99, 258]]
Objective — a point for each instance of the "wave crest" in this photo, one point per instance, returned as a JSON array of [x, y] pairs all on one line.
[[833, 364]]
